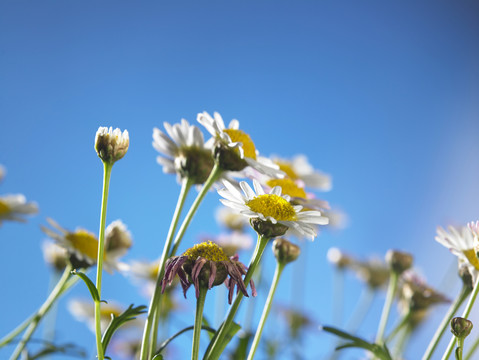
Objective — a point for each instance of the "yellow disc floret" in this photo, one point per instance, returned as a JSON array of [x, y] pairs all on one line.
[[207, 250], [472, 258], [287, 169], [106, 311], [274, 206], [83, 242], [288, 187], [240, 136], [4, 208]]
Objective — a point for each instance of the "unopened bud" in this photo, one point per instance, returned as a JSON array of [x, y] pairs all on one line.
[[111, 145], [267, 228], [339, 258], [285, 251], [461, 327], [398, 261]]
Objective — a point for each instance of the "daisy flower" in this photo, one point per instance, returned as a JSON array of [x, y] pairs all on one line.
[[111, 145], [55, 255], [206, 265], [14, 206], [83, 245], [234, 149], [183, 151], [272, 208]]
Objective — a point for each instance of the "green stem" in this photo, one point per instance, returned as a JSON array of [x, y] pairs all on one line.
[[250, 310], [465, 315], [101, 249], [362, 309], [404, 321], [266, 309], [149, 340], [61, 287], [393, 283], [445, 323], [460, 347], [472, 350], [214, 349], [338, 296], [200, 303]]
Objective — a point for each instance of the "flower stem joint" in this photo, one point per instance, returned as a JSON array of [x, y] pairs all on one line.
[[267, 229]]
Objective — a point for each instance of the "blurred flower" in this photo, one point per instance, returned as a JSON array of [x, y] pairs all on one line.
[[206, 265], [233, 148], [111, 145], [339, 258], [270, 209], [398, 261], [231, 219], [84, 245], [301, 171], [14, 206], [233, 242], [184, 152], [297, 321], [2, 172], [55, 255], [374, 272]]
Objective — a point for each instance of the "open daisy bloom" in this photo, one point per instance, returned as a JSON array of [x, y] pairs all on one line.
[[206, 265], [83, 245], [233, 148], [13, 207], [266, 211], [184, 152]]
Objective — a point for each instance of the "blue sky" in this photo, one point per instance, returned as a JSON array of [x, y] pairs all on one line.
[[383, 96]]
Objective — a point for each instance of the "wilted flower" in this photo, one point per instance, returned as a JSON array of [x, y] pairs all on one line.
[[111, 145], [55, 255], [184, 152], [14, 206], [266, 211], [206, 265], [83, 245], [233, 148]]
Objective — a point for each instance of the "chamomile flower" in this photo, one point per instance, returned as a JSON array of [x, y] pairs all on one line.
[[270, 209], [183, 151], [14, 206], [83, 245], [55, 255], [234, 149], [206, 265], [111, 145]]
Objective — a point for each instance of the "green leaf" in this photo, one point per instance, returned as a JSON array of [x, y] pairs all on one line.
[[167, 341], [207, 324], [89, 284], [66, 349], [241, 351], [117, 321], [232, 330], [158, 357]]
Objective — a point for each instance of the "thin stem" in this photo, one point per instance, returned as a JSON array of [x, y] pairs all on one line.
[[101, 249], [465, 291], [362, 309], [149, 342], [338, 296], [35, 319], [250, 310], [393, 283], [460, 347], [200, 303], [404, 321], [472, 350], [266, 309], [214, 349], [464, 315]]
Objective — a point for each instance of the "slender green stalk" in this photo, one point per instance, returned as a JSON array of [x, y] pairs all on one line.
[[472, 350], [17, 331], [464, 315], [338, 296], [149, 339], [200, 303], [460, 347], [393, 283], [362, 309], [250, 310], [61, 286], [266, 309], [214, 349], [101, 249], [445, 323], [402, 341], [404, 321]]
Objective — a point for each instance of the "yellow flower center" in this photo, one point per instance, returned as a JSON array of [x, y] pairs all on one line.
[[248, 145], [288, 187], [274, 206], [84, 242], [288, 169], [207, 250], [107, 310], [472, 258], [4, 208]]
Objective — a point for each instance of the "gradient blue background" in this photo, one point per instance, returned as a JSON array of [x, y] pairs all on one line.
[[384, 96]]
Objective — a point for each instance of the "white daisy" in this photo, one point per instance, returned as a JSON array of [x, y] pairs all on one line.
[[233, 242], [232, 138], [299, 169], [272, 207], [183, 150], [111, 145], [84, 311], [14, 206], [55, 255]]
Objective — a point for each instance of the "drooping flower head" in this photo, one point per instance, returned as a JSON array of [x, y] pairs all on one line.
[[233, 148], [271, 214], [183, 151], [206, 265], [111, 145], [14, 206]]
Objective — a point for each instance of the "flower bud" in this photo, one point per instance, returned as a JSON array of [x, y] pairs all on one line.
[[466, 275], [267, 228], [111, 145], [339, 258], [461, 327], [285, 251], [229, 158], [398, 261], [195, 164]]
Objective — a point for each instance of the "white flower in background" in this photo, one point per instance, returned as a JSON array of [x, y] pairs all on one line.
[[233, 242], [111, 145], [272, 208], [300, 170], [231, 219], [234, 148], [14, 206], [183, 151], [55, 255], [84, 311]]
